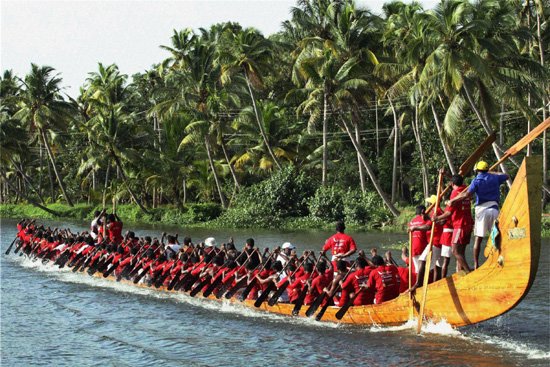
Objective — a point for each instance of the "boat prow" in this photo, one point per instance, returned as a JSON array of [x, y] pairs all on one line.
[[491, 290]]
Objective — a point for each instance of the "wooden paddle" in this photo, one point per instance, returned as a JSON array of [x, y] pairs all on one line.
[[244, 279], [270, 287], [411, 299], [11, 245], [342, 311], [429, 258], [301, 298], [469, 164], [218, 279], [331, 294], [275, 298], [252, 281], [523, 142], [206, 279], [177, 276]]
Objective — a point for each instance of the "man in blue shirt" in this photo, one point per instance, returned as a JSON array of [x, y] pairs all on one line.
[[486, 187]]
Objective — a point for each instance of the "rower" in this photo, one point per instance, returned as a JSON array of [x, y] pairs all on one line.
[[459, 211], [384, 280], [172, 248], [96, 223], [486, 187], [341, 245], [418, 228], [114, 228], [437, 232], [284, 256]]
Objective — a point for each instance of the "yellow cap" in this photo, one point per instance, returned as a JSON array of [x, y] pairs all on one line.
[[432, 199], [482, 166]]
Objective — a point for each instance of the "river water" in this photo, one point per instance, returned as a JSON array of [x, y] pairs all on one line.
[[59, 318]]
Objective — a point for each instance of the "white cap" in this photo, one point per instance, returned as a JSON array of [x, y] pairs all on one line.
[[288, 245], [210, 242]]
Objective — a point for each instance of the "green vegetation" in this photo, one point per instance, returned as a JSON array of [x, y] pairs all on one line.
[[340, 114]]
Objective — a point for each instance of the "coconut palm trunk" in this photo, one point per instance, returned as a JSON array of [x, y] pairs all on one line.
[[260, 125], [446, 151], [30, 200], [418, 136], [216, 179], [52, 160], [360, 166], [395, 153], [125, 178], [231, 168], [26, 179], [370, 171], [325, 150]]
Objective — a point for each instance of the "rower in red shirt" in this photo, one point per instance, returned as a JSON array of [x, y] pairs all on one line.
[[418, 227], [114, 228], [460, 213], [341, 245], [384, 280], [294, 289], [353, 284], [320, 282]]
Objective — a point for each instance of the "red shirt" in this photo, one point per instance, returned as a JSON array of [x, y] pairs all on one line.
[[340, 243], [115, 232], [320, 282], [438, 229], [354, 281], [404, 278], [461, 211], [419, 238], [385, 280]]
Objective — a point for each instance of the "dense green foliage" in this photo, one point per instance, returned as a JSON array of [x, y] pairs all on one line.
[[342, 114]]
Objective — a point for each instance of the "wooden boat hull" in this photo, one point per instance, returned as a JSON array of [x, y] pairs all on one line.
[[493, 289]]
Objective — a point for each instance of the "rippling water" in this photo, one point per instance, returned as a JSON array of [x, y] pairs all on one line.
[[59, 318]]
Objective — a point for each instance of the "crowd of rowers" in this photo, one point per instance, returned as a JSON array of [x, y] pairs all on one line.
[[280, 275]]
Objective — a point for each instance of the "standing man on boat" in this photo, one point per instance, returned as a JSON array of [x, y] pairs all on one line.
[[486, 187], [459, 209], [96, 223], [342, 245]]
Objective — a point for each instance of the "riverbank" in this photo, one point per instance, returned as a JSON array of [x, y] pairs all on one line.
[[202, 216], [194, 215]]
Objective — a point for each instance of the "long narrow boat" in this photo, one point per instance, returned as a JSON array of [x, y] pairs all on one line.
[[464, 299]]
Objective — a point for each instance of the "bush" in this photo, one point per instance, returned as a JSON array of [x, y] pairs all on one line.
[[327, 204], [365, 209], [285, 194], [203, 212]]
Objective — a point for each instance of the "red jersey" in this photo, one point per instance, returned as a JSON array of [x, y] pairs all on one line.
[[340, 243], [385, 280], [317, 285], [404, 278], [438, 229], [115, 232], [461, 211], [419, 238], [353, 283]]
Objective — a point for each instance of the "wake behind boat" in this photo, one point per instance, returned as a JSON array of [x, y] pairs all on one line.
[[461, 299]]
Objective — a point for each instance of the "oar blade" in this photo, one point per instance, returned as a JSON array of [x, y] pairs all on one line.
[[315, 305]]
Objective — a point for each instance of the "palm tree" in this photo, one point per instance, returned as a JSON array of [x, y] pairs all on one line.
[[196, 84], [246, 53], [109, 120], [44, 111]]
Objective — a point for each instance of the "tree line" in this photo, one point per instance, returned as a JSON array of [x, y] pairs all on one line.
[[373, 103]]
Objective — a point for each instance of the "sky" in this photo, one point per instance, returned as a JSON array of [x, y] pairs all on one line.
[[72, 36]]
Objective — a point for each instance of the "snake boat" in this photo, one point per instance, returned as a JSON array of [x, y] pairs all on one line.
[[496, 287]]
